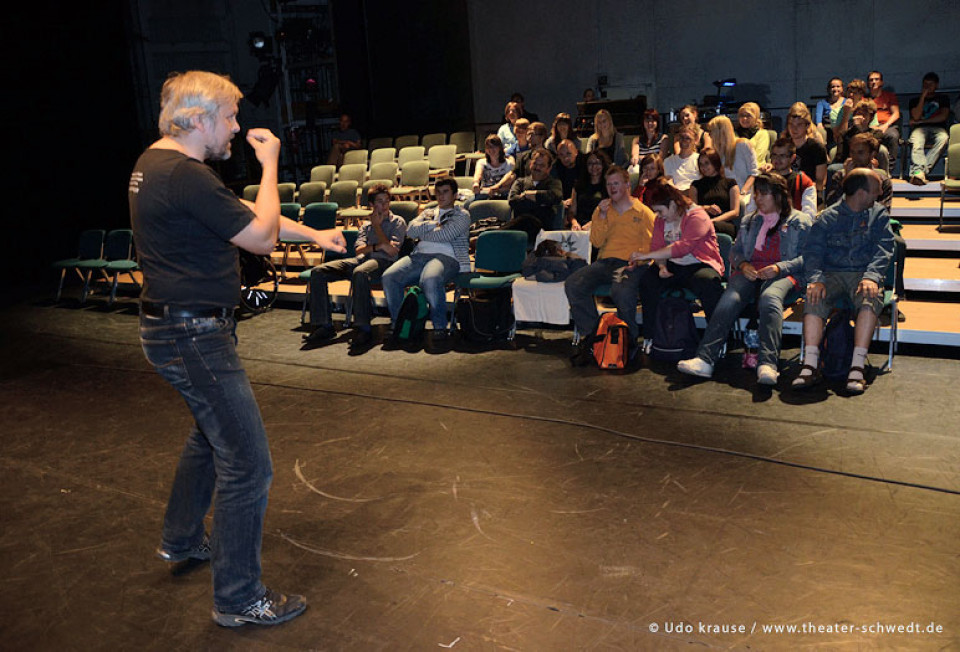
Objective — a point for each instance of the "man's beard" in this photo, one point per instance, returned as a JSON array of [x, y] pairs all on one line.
[[221, 153]]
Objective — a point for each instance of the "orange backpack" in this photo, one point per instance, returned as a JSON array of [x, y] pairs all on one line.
[[610, 345]]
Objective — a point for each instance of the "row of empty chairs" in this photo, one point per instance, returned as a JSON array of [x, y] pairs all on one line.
[[108, 254]]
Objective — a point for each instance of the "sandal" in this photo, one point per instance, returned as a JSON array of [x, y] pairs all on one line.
[[857, 385], [807, 381]]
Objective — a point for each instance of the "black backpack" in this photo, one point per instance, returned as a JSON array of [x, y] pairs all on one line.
[[485, 316], [674, 333], [836, 351], [412, 316]]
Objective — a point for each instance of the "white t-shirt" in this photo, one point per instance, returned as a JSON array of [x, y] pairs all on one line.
[[683, 171]]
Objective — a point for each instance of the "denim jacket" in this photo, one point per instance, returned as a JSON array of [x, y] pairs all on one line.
[[793, 236], [844, 241]]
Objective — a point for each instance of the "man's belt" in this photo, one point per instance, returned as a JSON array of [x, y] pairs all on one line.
[[169, 310]]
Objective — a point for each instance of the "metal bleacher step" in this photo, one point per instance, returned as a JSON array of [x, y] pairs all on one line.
[[926, 237], [922, 207], [932, 275]]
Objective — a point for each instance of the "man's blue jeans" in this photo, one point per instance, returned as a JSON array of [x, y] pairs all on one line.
[[226, 452], [581, 285], [774, 295], [431, 273]]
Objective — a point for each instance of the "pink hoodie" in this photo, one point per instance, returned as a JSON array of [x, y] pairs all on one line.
[[698, 238]]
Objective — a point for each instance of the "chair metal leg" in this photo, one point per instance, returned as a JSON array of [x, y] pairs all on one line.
[[113, 289], [63, 274], [86, 287]]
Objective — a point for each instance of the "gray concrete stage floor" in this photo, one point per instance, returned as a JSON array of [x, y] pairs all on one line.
[[482, 501]]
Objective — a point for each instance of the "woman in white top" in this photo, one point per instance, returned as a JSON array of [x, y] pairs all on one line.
[[739, 159], [492, 171]]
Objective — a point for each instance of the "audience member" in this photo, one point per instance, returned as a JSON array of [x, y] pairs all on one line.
[[827, 113], [651, 169], [536, 135], [888, 115], [847, 254], [606, 137], [856, 91], [621, 227], [685, 253], [377, 247], [717, 193], [681, 168], [511, 113], [929, 114], [518, 98], [589, 95], [562, 129], [739, 159], [567, 169], [802, 189], [441, 253], [749, 127], [490, 178], [521, 143], [767, 269], [690, 115], [810, 151], [589, 190], [342, 141], [863, 115], [536, 198], [651, 141]]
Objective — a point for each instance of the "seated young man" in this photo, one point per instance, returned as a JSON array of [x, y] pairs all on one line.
[[441, 254], [377, 247], [847, 253], [802, 189], [681, 168], [621, 226], [929, 116]]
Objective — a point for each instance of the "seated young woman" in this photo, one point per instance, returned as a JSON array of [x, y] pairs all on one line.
[[490, 180], [589, 190], [739, 159], [810, 150], [651, 141], [717, 193], [749, 127], [506, 132], [767, 265], [685, 252], [606, 137], [827, 111], [651, 169], [562, 129]]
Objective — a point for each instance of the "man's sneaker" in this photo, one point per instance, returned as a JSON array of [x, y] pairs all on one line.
[[696, 367], [362, 340], [767, 374], [272, 609], [918, 179], [200, 552]]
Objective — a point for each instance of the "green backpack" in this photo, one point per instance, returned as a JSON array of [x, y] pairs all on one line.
[[412, 317]]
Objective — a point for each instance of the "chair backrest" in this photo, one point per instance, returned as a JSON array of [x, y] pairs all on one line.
[[290, 210], [725, 242], [367, 185], [287, 191], [355, 156], [405, 209], [320, 215], [954, 134], [350, 236], [499, 208], [429, 140], [442, 157], [575, 242], [377, 143], [628, 141], [953, 161], [312, 191], [466, 141], [323, 173], [250, 192], [385, 171], [353, 172], [383, 155], [406, 141], [415, 173], [411, 153], [90, 244], [344, 193], [464, 183], [118, 245], [501, 251]]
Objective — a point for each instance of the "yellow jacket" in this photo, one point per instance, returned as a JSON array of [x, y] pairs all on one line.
[[620, 234]]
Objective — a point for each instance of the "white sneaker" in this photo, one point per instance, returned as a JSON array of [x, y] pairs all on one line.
[[696, 367], [767, 374]]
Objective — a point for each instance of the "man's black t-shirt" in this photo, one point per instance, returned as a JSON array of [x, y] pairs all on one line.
[[183, 218], [934, 103], [809, 156]]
